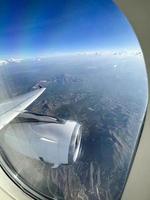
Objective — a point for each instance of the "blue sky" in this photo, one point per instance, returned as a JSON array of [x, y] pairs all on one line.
[[43, 27]]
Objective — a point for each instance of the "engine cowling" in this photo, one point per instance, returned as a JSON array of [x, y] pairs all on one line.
[[46, 138]]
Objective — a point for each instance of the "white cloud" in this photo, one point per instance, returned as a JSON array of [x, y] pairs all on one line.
[[115, 66], [10, 60], [14, 60], [3, 62]]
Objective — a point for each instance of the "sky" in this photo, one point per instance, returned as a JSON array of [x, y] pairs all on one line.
[[30, 28]]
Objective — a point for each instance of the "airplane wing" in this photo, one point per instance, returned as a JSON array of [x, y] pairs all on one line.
[[10, 109]]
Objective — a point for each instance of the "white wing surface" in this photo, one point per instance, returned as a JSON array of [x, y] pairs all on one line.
[[10, 109]]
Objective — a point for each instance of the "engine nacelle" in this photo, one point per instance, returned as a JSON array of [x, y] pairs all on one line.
[[46, 138]]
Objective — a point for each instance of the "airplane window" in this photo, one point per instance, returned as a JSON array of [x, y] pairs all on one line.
[[73, 97]]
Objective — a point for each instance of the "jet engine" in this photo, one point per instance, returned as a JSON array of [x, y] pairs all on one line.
[[44, 138]]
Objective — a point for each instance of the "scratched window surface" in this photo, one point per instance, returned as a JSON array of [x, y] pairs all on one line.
[[73, 98]]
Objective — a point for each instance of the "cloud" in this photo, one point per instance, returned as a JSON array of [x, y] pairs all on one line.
[[115, 66], [14, 60], [10, 60], [3, 62]]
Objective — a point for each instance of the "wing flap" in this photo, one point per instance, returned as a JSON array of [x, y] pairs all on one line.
[[10, 109]]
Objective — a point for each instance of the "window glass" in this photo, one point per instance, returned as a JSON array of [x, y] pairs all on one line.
[[73, 97]]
